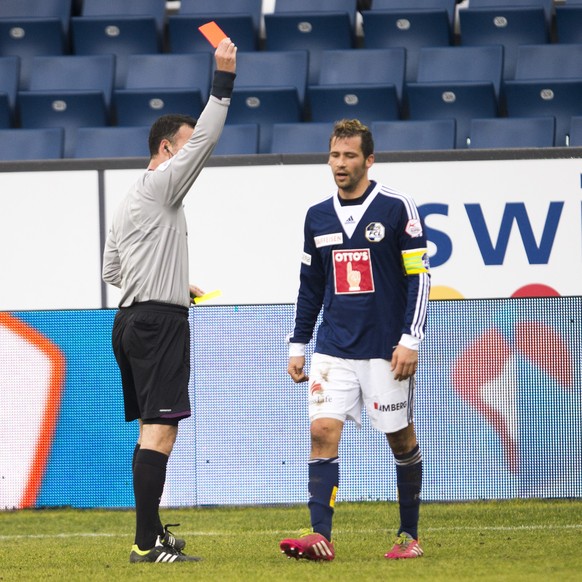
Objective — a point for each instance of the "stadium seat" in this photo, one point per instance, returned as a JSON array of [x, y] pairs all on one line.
[[270, 88], [547, 5], [304, 7], [238, 140], [510, 27], [160, 84], [508, 132], [27, 38], [399, 5], [117, 35], [313, 32], [44, 9], [215, 9], [69, 92], [364, 84], [459, 83], [548, 82], [184, 37], [410, 29], [569, 23], [301, 138], [436, 134], [112, 142], [9, 73], [576, 131], [132, 8], [31, 144]]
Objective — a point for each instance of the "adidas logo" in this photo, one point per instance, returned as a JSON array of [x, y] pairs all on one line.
[[350, 220]]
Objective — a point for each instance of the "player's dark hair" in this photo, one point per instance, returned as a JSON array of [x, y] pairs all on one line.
[[166, 127], [352, 128]]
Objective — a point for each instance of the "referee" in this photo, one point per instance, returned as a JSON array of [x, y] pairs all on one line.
[[146, 256]]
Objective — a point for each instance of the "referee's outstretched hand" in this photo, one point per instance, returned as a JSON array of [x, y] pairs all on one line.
[[225, 56]]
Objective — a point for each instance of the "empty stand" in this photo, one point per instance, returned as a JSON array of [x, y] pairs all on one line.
[[112, 142], [238, 140], [458, 83], [155, 8], [569, 23], [304, 7], [214, 9], [314, 32], [28, 38], [117, 35], [161, 84], [31, 144], [410, 29], [512, 133], [510, 27], [301, 138], [436, 134], [184, 37], [548, 82], [576, 131], [398, 5], [547, 5], [9, 74], [59, 9]]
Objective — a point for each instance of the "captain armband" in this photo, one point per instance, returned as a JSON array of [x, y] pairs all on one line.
[[415, 261]]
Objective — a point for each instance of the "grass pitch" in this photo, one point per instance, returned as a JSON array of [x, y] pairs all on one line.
[[505, 540]]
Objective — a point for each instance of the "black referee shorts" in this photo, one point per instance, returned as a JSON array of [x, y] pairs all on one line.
[[151, 343]]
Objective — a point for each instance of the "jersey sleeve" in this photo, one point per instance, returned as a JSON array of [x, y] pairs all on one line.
[[413, 246], [311, 289], [111, 264]]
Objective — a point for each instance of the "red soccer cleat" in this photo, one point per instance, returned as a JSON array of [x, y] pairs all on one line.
[[404, 547], [311, 546]]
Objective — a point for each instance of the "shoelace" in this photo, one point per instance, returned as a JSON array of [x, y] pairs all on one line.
[[306, 531], [402, 540]]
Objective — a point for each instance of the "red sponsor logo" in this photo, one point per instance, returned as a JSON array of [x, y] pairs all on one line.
[[353, 271]]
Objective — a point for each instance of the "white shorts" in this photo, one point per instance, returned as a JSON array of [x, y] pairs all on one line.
[[338, 387]]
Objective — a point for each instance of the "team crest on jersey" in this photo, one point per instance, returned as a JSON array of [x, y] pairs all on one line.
[[413, 228], [353, 271], [375, 231]]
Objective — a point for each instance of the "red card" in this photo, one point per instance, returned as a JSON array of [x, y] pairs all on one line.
[[213, 33]]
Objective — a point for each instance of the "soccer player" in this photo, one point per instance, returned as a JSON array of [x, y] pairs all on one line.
[[146, 255], [365, 261]]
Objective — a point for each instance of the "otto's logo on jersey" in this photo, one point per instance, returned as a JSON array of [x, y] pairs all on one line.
[[413, 228], [375, 231], [353, 271]]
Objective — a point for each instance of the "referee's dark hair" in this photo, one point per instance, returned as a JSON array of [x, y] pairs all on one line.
[[351, 128], [166, 127]]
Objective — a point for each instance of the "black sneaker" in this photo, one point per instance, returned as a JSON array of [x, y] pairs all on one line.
[[170, 541], [159, 553]]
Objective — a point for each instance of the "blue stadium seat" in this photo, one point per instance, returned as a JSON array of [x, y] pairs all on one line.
[[160, 84], [458, 83], [547, 5], [510, 27], [155, 8], [301, 138], [68, 92], [537, 132], [45, 9], [411, 29], [236, 140], [313, 32], [569, 23], [27, 38], [548, 82], [117, 35], [112, 142], [9, 74], [576, 131], [31, 144], [184, 36], [304, 7], [409, 5], [215, 9], [435, 134]]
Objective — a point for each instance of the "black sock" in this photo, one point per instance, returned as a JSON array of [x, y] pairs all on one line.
[[160, 528], [323, 484], [409, 482], [149, 476]]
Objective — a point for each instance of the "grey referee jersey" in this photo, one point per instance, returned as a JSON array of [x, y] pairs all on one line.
[[146, 252]]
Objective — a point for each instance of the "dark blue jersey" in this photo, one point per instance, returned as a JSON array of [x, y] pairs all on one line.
[[367, 265]]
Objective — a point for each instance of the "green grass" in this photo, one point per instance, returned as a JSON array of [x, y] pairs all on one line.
[[506, 540]]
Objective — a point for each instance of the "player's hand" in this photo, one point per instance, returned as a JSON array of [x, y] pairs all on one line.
[[404, 362], [225, 56], [295, 369]]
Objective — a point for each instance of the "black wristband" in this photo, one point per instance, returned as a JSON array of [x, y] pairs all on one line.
[[222, 84]]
